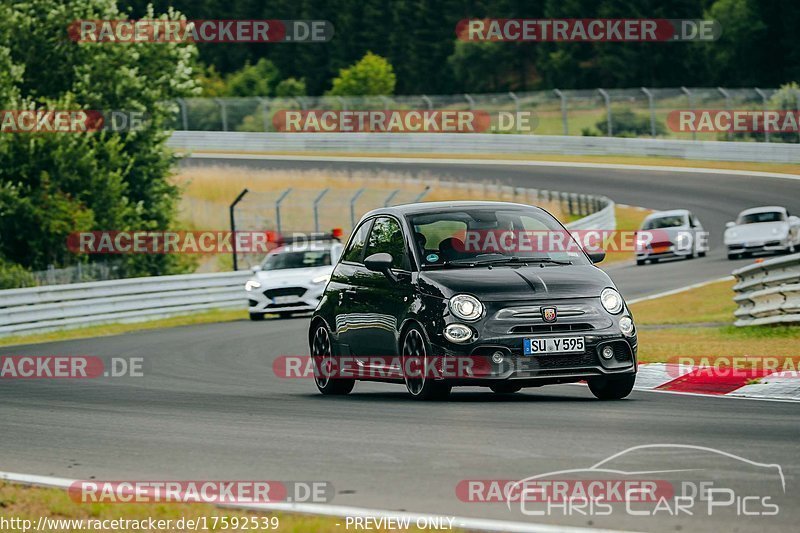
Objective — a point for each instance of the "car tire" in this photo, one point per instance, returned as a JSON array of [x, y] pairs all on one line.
[[505, 388], [640, 262], [256, 317], [612, 388], [654, 261], [414, 344], [701, 254], [732, 256], [322, 352]]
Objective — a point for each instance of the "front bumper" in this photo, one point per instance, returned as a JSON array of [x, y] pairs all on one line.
[[506, 327], [758, 246], [662, 252], [300, 297]]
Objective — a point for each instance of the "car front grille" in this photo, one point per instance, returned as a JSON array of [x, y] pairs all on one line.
[[284, 291], [552, 328]]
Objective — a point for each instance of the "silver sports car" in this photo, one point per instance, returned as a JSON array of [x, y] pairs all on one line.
[[762, 229]]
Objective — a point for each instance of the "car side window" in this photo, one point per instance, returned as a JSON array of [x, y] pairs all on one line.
[[357, 242], [387, 236]]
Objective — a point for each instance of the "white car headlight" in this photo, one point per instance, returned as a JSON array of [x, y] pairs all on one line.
[[251, 284], [626, 326], [611, 300], [466, 307], [321, 279]]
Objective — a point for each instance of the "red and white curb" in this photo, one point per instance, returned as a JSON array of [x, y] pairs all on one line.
[[761, 384]]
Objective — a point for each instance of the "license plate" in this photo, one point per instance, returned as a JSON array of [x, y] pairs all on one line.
[[285, 299], [553, 345]]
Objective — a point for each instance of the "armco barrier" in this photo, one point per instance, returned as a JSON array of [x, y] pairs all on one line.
[[56, 307], [768, 292], [477, 143]]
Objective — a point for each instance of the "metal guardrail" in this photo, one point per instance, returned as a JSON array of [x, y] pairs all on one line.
[[768, 292], [57, 307], [480, 143]]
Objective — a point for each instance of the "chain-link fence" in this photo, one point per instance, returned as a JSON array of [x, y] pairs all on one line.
[[639, 112]]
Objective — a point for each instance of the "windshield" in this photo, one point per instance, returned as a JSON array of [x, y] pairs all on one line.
[[300, 259], [475, 236], [675, 221], [755, 218]]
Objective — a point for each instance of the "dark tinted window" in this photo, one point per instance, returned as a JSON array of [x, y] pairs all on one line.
[[386, 236], [302, 259], [757, 218], [353, 252], [673, 221]]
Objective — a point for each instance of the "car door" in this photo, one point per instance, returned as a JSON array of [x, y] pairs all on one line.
[[384, 299], [343, 288]]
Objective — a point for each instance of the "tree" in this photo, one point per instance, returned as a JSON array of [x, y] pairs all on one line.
[[253, 80], [372, 75], [53, 184], [291, 87]]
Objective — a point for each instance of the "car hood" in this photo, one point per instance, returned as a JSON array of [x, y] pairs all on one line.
[[503, 283], [269, 278], [758, 231]]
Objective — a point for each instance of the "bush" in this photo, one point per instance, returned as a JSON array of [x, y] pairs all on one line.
[[14, 276], [372, 75], [626, 123]]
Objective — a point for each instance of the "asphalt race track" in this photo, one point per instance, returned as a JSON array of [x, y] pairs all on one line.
[[210, 407]]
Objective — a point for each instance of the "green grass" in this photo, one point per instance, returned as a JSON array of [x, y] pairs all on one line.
[[711, 303]]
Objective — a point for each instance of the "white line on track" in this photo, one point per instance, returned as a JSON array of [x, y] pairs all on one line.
[[475, 524], [491, 162]]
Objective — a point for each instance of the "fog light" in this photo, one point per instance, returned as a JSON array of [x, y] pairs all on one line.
[[457, 333], [497, 357], [608, 352], [626, 326]]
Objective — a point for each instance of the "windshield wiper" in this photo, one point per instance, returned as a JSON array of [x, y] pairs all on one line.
[[506, 259]]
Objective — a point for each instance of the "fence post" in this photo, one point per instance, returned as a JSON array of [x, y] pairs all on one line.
[[184, 114], [470, 100], [390, 197], [353, 200], [223, 112], [609, 124], [689, 97], [563, 110], [317, 200], [231, 210], [763, 96], [516, 100], [421, 195], [428, 102], [342, 103], [652, 111], [280, 199], [264, 112], [385, 101], [727, 97]]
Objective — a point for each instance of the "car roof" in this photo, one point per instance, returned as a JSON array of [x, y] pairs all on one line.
[[670, 213], [434, 207], [763, 209]]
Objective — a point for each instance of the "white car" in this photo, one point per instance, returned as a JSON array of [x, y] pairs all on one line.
[[762, 229], [292, 278], [675, 233]]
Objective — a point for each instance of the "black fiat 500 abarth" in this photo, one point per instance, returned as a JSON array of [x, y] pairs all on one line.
[[495, 294]]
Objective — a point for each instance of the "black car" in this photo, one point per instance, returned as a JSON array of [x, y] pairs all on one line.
[[440, 282]]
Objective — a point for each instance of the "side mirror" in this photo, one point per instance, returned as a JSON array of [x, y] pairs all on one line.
[[730, 224], [597, 257], [380, 262], [255, 268]]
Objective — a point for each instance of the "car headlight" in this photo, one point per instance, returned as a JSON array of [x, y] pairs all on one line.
[[611, 300], [466, 307], [251, 284], [458, 333], [321, 279], [626, 326]]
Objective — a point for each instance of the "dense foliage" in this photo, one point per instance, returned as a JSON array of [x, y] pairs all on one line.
[[758, 46], [53, 184]]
